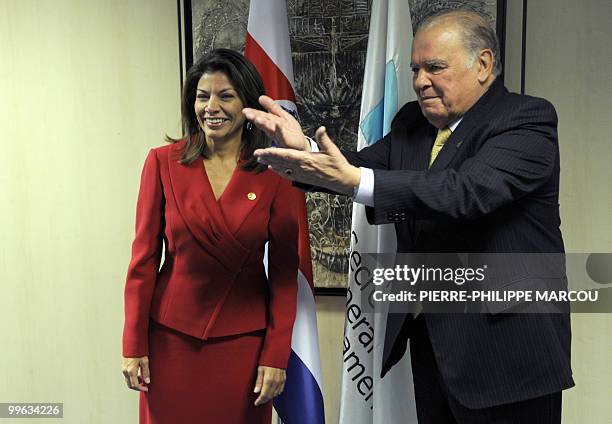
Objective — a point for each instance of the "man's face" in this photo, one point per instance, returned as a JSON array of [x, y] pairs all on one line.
[[444, 77]]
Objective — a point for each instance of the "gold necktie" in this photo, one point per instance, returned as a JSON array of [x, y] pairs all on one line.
[[441, 138]]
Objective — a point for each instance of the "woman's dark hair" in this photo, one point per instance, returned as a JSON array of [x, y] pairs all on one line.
[[248, 85]]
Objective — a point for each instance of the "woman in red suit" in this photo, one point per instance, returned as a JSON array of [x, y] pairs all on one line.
[[207, 336]]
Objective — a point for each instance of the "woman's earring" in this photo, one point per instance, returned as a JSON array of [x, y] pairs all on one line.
[[249, 126]]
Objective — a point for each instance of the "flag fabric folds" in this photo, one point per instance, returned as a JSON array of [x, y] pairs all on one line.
[[267, 46], [366, 398]]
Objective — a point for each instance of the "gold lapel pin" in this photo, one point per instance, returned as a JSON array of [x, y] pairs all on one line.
[[251, 196]]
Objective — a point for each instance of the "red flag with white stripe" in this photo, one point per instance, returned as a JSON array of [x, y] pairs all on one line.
[[268, 48]]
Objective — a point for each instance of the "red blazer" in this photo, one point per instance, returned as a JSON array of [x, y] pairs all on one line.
[[212, 282]]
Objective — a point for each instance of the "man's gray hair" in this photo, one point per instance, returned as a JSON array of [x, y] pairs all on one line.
[[477, 33]]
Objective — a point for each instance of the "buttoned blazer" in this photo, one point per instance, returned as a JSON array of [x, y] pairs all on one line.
[[212, 282], [494, 188]]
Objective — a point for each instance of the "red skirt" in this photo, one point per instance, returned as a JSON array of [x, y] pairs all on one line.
[[208, 382]]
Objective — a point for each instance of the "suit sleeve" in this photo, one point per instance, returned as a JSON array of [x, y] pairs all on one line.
[[375, 156], [283, 264], [514, 162], [146, 256]]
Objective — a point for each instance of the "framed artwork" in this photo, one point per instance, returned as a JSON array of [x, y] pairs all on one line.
[[329, 41]]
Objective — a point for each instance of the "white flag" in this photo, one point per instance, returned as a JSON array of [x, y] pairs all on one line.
[[365, 397]]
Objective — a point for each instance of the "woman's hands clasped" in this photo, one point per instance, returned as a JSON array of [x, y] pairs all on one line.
[[269, 384], [136, 373]]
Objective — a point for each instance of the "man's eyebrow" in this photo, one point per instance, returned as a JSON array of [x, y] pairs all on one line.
[[430, 63], [435, 62]]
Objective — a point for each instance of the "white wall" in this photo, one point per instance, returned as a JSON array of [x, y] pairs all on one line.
[[568, 61], [86, 87]]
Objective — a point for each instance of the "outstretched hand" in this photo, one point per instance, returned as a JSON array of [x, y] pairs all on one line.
[[327, 168], [278, 124]]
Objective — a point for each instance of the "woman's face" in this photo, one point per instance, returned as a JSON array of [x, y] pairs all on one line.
[[218, 107]]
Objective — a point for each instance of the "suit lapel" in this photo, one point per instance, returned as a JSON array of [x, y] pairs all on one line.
[[244, 191], [474, 116], [414, 139], [423, 141], [451, 146], [201, 214]]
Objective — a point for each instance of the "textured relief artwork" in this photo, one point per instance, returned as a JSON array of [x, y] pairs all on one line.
[[329, 41], [218, 23]]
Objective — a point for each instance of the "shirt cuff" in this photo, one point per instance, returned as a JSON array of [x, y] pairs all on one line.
[[365, 191], [314, 147]]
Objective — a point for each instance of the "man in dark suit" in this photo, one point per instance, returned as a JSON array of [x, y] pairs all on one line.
[[470, 167]]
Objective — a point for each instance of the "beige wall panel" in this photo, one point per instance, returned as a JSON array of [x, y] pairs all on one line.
[[87, 88], [330, 319], [569, 63], [514, 33]]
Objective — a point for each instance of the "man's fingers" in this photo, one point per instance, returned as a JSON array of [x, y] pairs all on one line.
[[283, 172], [325, 143], [279, 155], [270, 105], [276, 161], [277, 123], [291, 164], [262, 120], [274, 108], [275, 129], [250, 113]]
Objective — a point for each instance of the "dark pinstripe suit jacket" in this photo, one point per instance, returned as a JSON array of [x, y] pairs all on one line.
[[494, 187]]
